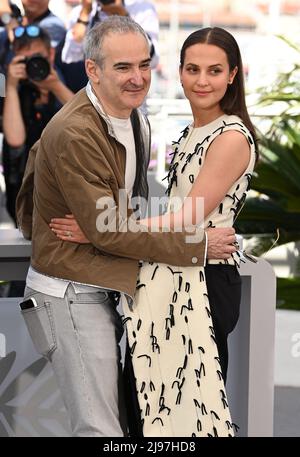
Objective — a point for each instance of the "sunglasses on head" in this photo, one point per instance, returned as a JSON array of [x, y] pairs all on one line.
[[31, 31]]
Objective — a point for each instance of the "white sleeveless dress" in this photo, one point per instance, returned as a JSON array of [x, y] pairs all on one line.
[[170, 332]]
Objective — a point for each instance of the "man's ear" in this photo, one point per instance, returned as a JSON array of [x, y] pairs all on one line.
[[92, 71]]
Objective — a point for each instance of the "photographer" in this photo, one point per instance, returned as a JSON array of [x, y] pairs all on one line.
[[10, 18], [34, 93], [35, 12], [86, 15]]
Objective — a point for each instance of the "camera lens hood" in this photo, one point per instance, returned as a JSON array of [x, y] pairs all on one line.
[[37, 67]]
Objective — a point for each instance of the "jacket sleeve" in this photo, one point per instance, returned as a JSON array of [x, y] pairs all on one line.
[[102, 216], [24, 202]]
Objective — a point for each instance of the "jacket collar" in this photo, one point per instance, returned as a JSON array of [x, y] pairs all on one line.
[[99, 108]]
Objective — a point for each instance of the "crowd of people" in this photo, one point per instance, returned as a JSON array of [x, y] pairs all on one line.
[[76, 150], [30, 102]]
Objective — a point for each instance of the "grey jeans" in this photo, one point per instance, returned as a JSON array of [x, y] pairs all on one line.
[[79, 334]]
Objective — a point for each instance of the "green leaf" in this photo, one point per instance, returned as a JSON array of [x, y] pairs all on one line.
[[282, 160], [268, 179], [262, 216], [277, 178], [288, 42], [288, 293]]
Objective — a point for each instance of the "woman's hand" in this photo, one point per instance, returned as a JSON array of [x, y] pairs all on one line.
[[67, 229]]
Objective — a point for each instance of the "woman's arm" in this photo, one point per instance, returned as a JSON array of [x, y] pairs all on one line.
[[226, 160]]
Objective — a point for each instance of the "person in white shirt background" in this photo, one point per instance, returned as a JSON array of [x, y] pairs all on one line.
[[84, 16]]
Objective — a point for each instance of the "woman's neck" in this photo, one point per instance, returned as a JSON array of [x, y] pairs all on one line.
[[204, 117]]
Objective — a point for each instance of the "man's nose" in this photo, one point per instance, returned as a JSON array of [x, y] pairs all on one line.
[[136, 77]]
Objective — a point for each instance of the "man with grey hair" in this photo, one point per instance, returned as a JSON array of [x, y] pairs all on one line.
[[95, 146]]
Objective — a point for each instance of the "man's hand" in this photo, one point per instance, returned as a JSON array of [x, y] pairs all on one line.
[[86, 6], [54, 85], [79, 29], [16, 71], [220, 243], [4, 6], [50, 83], [115, 8]]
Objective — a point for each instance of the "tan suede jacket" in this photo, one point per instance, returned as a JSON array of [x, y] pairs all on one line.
[[76, 162]]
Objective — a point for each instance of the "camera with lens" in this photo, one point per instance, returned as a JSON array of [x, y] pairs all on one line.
[[37, 67], [106, 2]]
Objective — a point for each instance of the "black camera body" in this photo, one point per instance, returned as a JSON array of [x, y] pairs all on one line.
[[106, 2], [37, 67]]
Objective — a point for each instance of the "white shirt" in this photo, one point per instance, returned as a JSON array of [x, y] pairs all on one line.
[[122, 130], [124, 134], [142, 12], [56, 286]]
